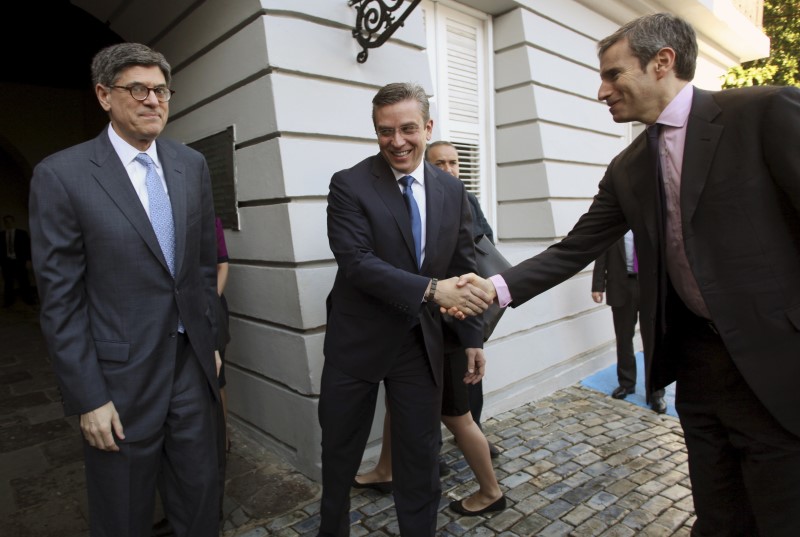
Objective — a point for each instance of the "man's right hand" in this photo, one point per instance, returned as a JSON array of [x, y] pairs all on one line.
[[469, 299], [481, 289], [100, 425]]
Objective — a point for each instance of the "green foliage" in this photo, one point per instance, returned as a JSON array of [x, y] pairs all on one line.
[[782, 66]]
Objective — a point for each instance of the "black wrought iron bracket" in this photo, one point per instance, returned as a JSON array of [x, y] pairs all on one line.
[[375, 22]]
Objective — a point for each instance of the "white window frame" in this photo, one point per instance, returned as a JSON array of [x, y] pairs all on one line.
[[436, 35]]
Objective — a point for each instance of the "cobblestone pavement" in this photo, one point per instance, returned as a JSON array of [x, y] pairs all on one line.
[[576, 463]]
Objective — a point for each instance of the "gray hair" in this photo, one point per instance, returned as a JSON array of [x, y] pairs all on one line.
[[401, 91], [650, 33], [108, 64]]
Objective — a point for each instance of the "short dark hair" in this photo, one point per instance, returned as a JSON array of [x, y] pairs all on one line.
[[437, 143], [398, 92], [650, 33], [108, 64]]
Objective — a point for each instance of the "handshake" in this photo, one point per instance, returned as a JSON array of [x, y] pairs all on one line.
[[466, 295]]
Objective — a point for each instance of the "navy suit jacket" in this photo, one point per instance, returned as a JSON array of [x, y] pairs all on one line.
[[110, 307], [740, 209], [378, 290]]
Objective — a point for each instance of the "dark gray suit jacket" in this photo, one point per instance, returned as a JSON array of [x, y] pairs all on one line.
[[740, 204], [610, 275], [110, 307]]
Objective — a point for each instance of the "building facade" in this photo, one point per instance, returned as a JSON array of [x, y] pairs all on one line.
[[512, 82]]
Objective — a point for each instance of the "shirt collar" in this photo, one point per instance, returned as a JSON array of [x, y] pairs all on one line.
[[418, 174], [676, 114], [126, 152]]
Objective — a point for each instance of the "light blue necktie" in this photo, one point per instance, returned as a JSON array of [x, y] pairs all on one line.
[[413, 212], [160, 211]]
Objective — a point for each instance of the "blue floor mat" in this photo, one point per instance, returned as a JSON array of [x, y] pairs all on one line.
[[606, 380]]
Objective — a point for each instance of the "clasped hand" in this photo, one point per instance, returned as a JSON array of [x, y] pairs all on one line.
[[467, 295]]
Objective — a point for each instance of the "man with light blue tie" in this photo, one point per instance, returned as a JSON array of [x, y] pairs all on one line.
[[616, 273], [401, 231], [124, 252]]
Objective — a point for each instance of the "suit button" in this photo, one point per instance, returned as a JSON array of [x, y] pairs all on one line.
[[173, 334]]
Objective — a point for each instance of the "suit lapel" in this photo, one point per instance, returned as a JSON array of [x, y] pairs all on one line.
[[644, 186], [386, 187], [175, 177], [434, 199], [113, 178], [702, 138]]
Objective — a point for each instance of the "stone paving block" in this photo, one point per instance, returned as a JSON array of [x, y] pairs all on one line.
[[601, 500], [651, 488], [642, 476], [520, 492], [632, 500], [638, 519], [599, 440], [503, 520], [619, 472], [567, 469], [530, 525], [596, 468], [611, 514], [686, 504], [676, 492], [516, 479], [556, 490], [621, 488], [531, 504], [618, 531], [579, 514], [516, 452], [514, 466], [556, 529], [556, 509], [590, 528], [539, 468], [672, 518], [657, 504]]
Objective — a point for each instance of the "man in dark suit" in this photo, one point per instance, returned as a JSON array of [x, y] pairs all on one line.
[[398, 227], [124, 253], [616, 274], [715, 213], [15, 254]]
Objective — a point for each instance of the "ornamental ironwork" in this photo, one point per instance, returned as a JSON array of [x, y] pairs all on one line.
[[376, 22]]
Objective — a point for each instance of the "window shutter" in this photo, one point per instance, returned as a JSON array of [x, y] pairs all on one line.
[[457, 51]]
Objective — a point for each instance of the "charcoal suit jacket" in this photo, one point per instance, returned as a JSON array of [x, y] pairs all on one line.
[[740, 205]]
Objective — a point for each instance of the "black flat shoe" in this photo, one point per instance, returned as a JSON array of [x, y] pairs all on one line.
[[384, 487], [621, 392], [459, 508]]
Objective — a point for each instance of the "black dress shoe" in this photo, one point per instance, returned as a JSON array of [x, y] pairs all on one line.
[[621, 392], [658, 405], [493, 451], [384, 487], [459, 508]]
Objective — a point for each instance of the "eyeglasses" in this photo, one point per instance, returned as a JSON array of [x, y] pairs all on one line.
[[140, 92], [406, 130]]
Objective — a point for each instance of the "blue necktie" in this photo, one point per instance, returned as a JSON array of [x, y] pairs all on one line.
[[413, 212], [160, 211]]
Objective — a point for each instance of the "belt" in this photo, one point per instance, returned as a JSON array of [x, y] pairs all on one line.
[[633, 275]]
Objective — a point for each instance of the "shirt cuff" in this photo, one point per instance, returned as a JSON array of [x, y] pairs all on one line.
[[500, 287]]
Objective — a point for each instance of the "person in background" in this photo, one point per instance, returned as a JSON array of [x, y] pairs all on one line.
[[456, 397], [616, 273], [400, 230], [444, 156], [15, 256], [123, 243], [223, 320], [711, 191]]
